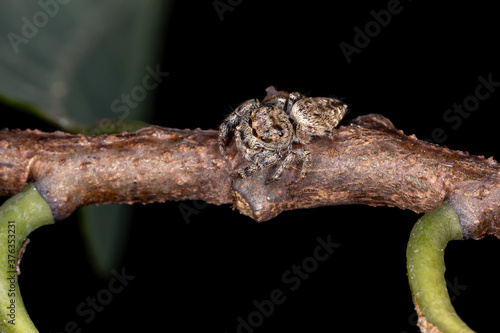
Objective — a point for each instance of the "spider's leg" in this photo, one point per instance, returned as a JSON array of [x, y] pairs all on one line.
[[240, 145], [292, 98], [224, 129], [306, 165], [247, 171], [240, 115], [264, 159], [289, 159]]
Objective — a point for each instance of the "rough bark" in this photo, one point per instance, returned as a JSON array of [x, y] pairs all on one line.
[[368, 161]]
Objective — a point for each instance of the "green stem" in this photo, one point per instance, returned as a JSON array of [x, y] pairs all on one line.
[[19, 216], [425, 263]]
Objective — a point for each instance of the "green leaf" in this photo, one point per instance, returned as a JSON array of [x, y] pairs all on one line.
[[106, 229], [72, 63]]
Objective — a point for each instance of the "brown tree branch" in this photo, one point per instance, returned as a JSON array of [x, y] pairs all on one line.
[[367, 161]]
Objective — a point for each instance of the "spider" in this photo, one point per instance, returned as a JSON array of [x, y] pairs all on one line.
[[264, 131]]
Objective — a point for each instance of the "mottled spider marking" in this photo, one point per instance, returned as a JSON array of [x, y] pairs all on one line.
[[264, 132], [315, 116], [264, 135], [269, 127]]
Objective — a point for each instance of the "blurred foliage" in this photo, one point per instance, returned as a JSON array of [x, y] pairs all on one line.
[[75, 64]]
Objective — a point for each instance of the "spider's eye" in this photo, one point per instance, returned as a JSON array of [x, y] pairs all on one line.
[[266, 133], [280, 131]]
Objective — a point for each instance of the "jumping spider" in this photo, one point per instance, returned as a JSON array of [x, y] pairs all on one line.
[[264, 131]]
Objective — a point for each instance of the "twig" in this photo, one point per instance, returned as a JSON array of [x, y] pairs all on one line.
[[368, 161]]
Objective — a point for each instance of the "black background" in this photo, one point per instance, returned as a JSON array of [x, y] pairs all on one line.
[[202, 275]]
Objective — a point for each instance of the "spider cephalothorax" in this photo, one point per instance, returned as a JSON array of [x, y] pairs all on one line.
[[264, 131]]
